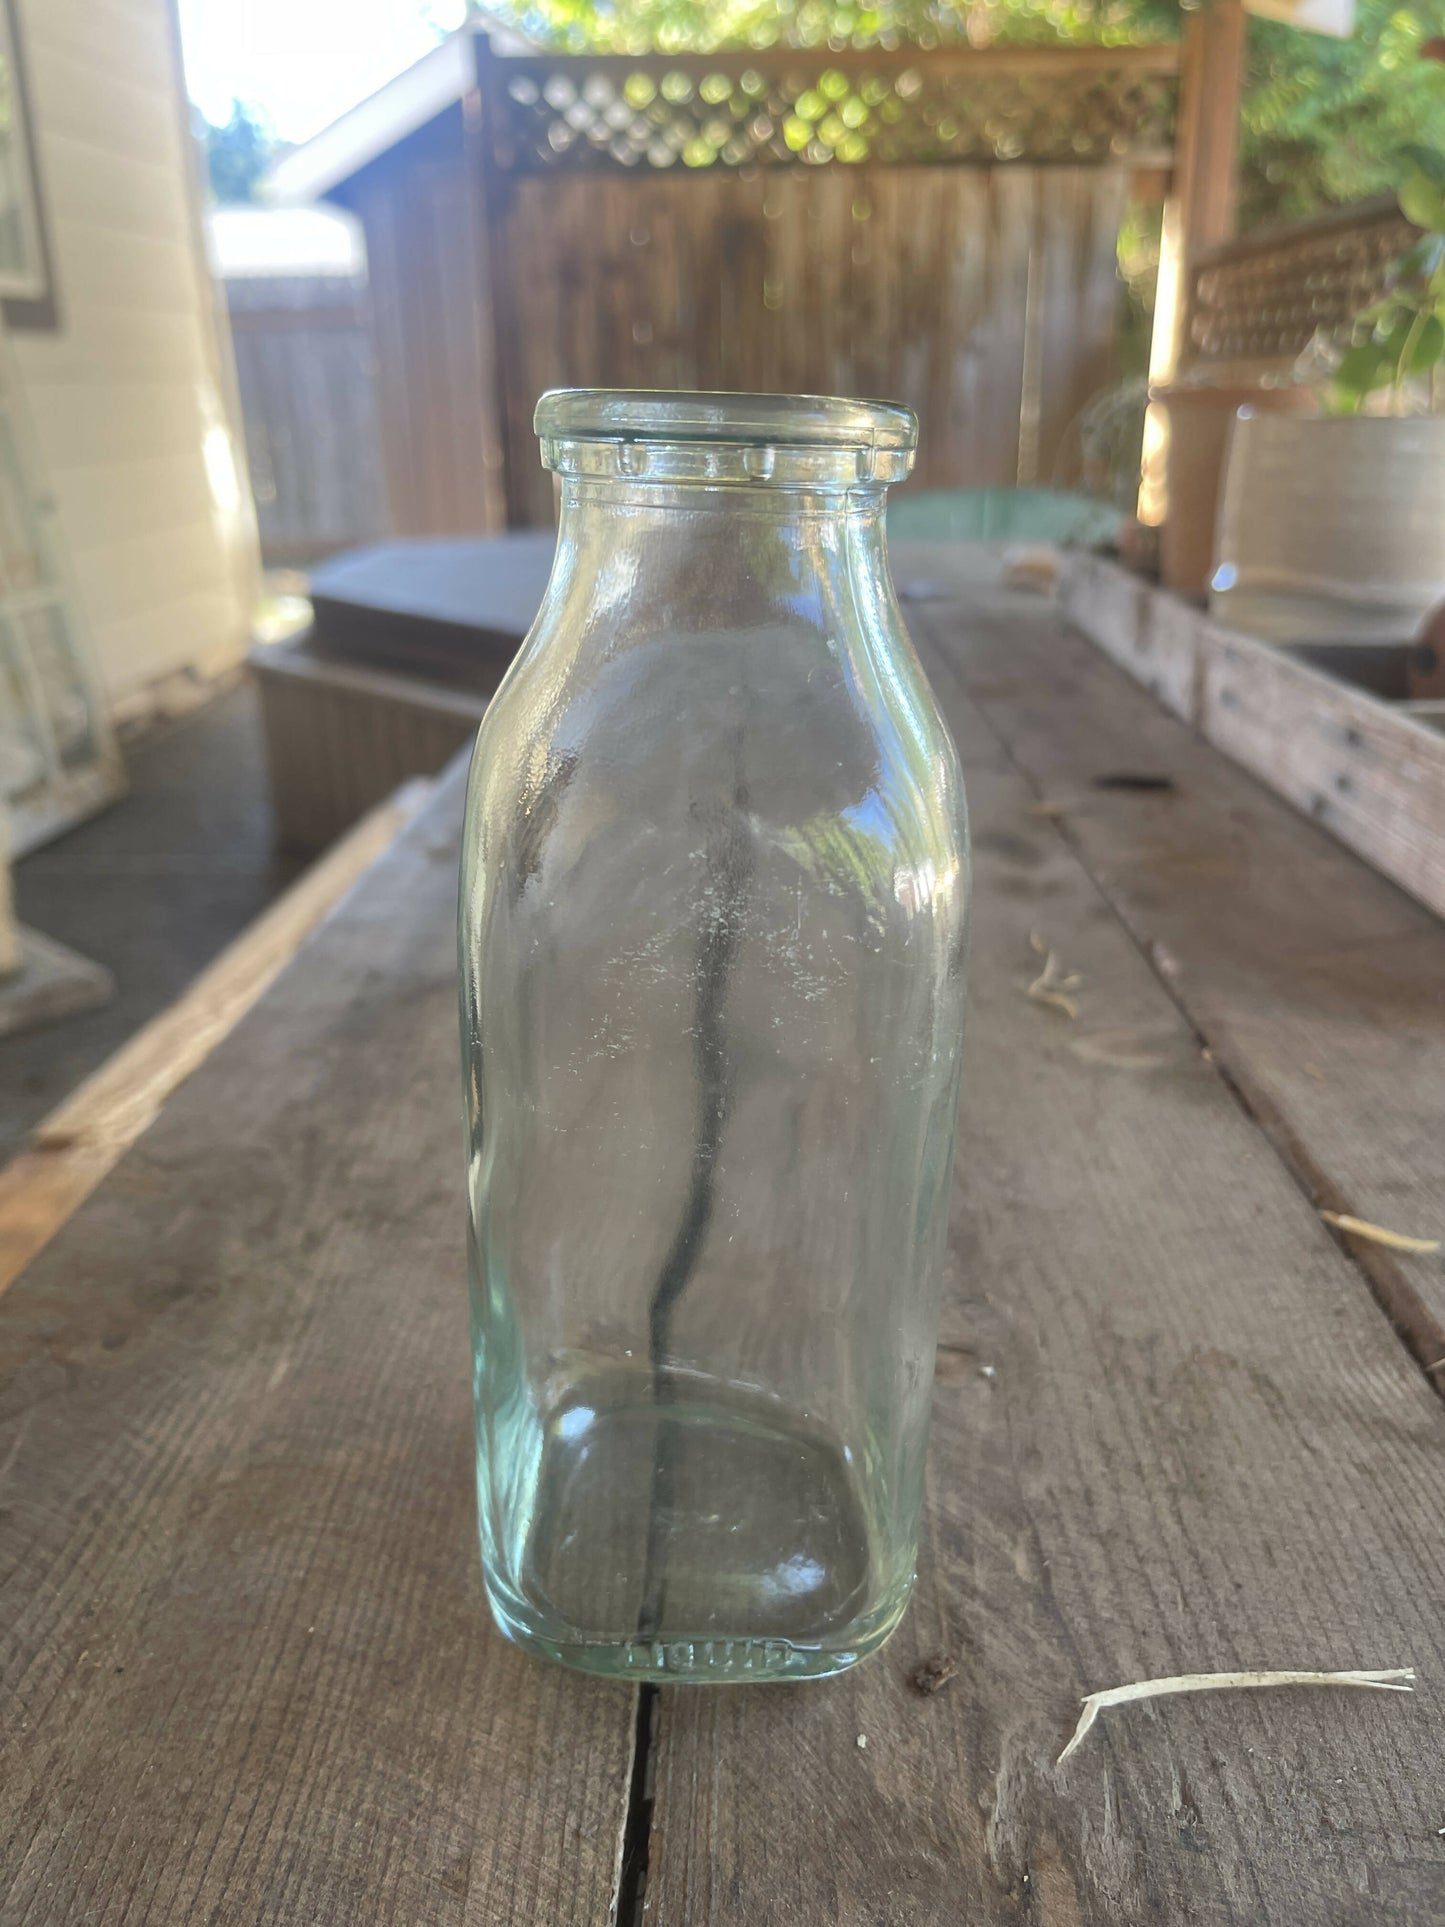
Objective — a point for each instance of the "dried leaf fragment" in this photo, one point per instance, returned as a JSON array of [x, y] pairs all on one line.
[[1055, 999], [1377, 1234], [1052, 988], [932, 1675], [1395, 1679]]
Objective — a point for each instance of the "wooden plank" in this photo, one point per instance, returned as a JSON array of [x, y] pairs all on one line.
[[475, 312], [1172, 1433], [84, 1138], [1207, 164], [1314, 980], [1080, 210], [1160, 58], [312, 436], [436, 372], [247, 1667], [1155, 637], [447, 610], [909, 282], [1371, 772], [1199, 213], [1373, 776], [967, 272], [377, 207]]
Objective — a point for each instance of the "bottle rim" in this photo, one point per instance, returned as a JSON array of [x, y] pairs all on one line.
[[679, 434], [682, 415]]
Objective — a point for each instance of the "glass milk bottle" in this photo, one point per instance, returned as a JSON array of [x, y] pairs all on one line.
[[713, 932]]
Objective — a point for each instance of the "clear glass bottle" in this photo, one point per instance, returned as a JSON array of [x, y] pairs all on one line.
[[713, 925]]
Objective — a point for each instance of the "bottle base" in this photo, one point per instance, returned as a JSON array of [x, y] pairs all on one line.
[[678, 1529], [705, 1660]]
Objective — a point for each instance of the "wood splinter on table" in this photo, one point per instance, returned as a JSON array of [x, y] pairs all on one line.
[[1053, 986], [1395, 1679], [1378, 1234]]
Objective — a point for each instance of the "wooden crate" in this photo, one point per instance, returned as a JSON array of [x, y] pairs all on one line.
[[341, 736], [1369, 770]]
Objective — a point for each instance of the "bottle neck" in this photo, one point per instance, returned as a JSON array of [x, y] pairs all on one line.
[[649, 559]]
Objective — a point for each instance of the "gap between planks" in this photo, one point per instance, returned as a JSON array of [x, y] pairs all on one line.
[[87, 1134]]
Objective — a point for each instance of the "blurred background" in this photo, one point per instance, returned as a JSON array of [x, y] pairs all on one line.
[[282, 281]]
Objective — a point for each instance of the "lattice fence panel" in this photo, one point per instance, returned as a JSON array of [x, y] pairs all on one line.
[[1085, 107], [1261, 303]]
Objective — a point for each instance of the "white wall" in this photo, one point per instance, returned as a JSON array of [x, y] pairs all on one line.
[[127, 399]]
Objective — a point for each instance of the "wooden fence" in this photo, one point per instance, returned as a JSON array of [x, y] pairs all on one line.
[[939, 228], [304, 365], [985, 299]]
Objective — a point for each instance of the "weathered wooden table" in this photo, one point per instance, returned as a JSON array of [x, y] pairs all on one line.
[[248, 1673]]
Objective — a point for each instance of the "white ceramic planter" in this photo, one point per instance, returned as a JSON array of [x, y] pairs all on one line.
[[1331, 526]]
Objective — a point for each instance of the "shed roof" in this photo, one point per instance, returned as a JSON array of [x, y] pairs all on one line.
[[439, 80]]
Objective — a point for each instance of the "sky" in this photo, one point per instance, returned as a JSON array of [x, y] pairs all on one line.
[[303, 62]]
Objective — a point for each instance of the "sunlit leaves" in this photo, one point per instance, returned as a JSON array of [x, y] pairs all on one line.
[[1324, 122]]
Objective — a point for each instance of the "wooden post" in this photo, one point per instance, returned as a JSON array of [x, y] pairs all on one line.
[[495, 302], [1199, 212], [1200, 208], [1211, 82]]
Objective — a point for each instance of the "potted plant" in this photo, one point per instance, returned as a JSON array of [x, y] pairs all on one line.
[[1333, 524]]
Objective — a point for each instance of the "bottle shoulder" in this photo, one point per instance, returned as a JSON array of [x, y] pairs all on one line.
[[829, 751]]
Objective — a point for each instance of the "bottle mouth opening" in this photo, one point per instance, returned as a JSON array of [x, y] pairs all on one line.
[[826, 439]]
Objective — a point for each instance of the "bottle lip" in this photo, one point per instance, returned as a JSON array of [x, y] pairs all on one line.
[[680, 415], [881, 436]]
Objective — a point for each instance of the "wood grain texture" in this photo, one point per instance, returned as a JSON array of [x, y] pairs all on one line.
[[341, 736], [908, 282], [436, 368], [1313, 979], [1079, 219], [248, 1673], [86, 1135], [308, 401], [1154, 636], [1372, 773], [1373, 777], [1197, 1445]]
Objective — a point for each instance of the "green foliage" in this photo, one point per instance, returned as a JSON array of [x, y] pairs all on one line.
[[238, 152], [1401, 337], [1323, 123], [634, 26]]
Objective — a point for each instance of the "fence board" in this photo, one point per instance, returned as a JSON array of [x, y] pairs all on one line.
[[304, 367], [429, 302], [909, 282], [1079, 215]]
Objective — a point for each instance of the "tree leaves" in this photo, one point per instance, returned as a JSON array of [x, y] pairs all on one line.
[[1324, 122], [1422, 200], [1425, 161], [1362, 368]]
